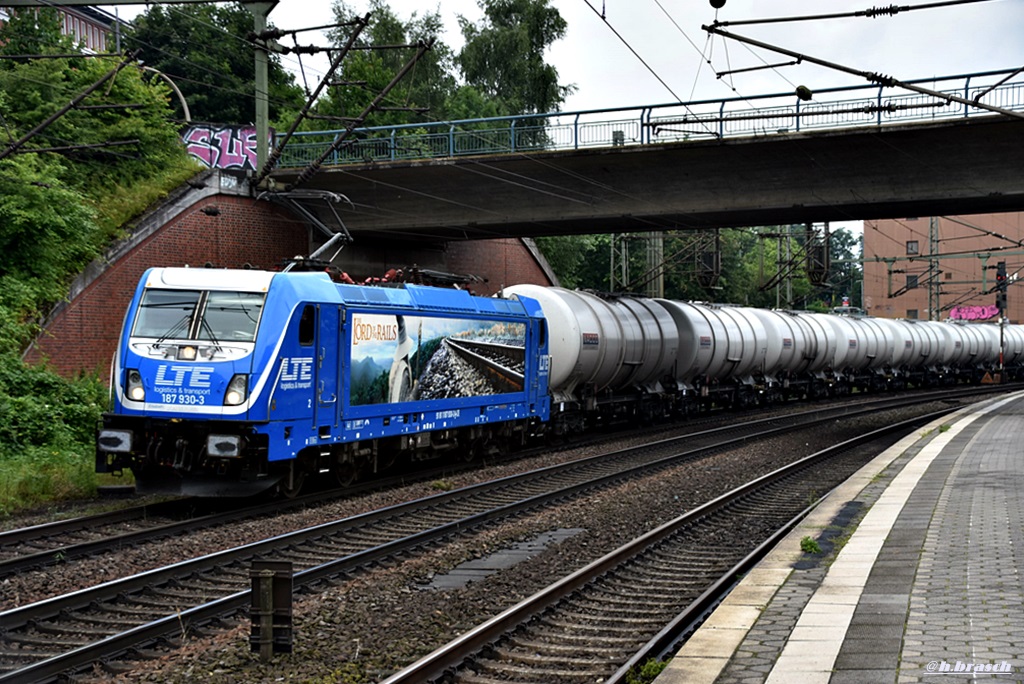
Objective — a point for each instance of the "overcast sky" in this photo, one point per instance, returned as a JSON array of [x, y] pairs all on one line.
[[667, 35]]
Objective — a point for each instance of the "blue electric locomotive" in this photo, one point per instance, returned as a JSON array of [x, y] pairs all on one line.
[[232, 382]]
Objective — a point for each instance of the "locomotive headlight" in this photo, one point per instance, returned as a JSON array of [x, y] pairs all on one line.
[[134, 388], [187, 353], [237, 390]]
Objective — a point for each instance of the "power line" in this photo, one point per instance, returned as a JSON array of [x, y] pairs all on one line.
[[871, 13]]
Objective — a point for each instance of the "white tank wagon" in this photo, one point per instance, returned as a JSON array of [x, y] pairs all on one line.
[[606, 353], [743, 355], [1013, 345], [615, 356]]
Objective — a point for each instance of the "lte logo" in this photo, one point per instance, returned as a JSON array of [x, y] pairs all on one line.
[[297, 370], [183, 376]]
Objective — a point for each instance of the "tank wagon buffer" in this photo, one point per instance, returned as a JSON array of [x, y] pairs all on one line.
[[616, 357], [232, 382]]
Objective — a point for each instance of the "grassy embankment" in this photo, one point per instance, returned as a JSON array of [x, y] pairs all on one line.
[[48, 422]]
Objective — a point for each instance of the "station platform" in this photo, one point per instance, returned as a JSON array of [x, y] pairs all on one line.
[[919, 579]]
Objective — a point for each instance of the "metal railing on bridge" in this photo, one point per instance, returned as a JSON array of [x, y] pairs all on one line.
[[844, 107]]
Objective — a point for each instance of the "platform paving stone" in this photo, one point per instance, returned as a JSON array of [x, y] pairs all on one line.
[[967, 603], [781, 614], [945, 592]]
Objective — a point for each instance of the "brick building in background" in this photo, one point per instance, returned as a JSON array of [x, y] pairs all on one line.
[[903, 280], [91, 27]]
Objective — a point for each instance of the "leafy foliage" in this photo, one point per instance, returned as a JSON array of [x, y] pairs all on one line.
[[44, 226], [60, 204], [646, 673], [204, 49], [429, 85], [503, 57], [502, 65], [32, 32], [579, 261]]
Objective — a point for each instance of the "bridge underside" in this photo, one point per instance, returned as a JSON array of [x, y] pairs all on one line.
[[960, 167]]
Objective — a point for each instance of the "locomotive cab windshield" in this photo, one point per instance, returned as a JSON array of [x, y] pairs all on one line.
[[199, 316]]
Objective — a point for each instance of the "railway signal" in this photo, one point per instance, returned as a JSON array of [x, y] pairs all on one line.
[[1001, 286]]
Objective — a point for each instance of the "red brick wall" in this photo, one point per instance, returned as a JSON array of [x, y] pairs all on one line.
[[83, 335], [503, 262]]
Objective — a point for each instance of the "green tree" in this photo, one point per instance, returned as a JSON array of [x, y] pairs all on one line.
[[577, 260], [204, 50], [132, 111], [60, 204], [429, 84], [44, 226], [32, 32], [503, 56]]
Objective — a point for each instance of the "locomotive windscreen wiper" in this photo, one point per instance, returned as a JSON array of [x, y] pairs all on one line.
[[212, 336], [182, 324]]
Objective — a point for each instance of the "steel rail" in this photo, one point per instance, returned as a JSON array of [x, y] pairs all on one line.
[[442, 661], [118, 644], [63, 553]]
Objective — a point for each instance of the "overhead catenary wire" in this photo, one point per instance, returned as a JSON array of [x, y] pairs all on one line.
[[592, 181], [637, 55], [870, 13], [68, 107], [187, 16], [886, 81], [212, 73]]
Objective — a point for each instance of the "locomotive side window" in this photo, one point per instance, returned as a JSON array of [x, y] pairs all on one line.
[[231, 316], [307, 326], [166, 313]]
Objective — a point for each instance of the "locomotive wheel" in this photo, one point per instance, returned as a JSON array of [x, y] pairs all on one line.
[[291, 486], [345, 474]]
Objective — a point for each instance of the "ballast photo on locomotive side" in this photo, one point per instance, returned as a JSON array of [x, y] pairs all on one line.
[[233, 382]]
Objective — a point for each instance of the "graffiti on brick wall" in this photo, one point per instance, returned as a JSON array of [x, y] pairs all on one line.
[[222, 147], [973, 313]]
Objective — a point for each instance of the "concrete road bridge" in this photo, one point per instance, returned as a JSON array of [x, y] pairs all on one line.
[[849, 153]]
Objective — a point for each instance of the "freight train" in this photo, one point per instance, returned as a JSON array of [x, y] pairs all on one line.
[[235, 382]]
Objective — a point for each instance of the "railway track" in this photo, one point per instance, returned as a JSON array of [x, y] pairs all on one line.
[[45, 639], [65, 541], [601, 622]]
